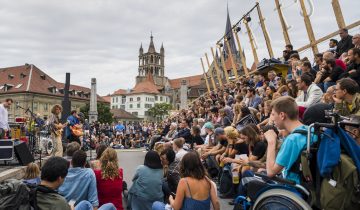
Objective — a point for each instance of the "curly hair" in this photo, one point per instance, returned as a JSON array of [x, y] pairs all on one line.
[[109, 164]]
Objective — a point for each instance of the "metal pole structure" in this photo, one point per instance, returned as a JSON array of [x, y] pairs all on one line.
[[205, 77], [309, 28], [338, 13], [283, 24], [216, 67], [251, 38], [224, 65], [242, 57], [265, 32], [231, 59], [211, 73]]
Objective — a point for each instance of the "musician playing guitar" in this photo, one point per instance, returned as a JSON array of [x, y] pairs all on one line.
[[56, 130], [74, 129]]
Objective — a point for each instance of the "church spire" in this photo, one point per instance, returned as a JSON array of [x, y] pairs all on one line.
[[151, 46], [141, 50], [229, 34]]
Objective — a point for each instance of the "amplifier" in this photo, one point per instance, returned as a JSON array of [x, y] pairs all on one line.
[[6, 149]]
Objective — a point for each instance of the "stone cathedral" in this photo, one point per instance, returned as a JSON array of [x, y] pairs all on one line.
[[152, 63]]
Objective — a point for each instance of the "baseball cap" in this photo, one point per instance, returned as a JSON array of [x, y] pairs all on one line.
[[219, 131], [209, 125]]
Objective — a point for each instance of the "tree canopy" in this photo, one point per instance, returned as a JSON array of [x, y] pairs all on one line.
[[104, 114]]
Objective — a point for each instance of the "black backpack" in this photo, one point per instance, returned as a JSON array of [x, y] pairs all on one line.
[[226, 187], [16, 195]]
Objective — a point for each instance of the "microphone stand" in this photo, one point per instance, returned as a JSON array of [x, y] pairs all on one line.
[[32, 139]]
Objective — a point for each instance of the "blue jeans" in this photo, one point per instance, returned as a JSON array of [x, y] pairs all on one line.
[[328, 84], [157, 205], [86, 205]]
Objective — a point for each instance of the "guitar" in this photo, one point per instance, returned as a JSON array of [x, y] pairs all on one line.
[[76, 130], [58, 131]]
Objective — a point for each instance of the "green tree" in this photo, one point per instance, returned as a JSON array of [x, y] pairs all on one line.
[[159, 111], [104, 114]]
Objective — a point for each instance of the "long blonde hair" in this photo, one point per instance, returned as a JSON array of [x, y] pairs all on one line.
[[32, 171], [109, 164]]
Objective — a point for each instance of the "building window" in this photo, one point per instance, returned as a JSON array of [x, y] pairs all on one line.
[[131, 106], [146, 113], [122, 106], [113, 100], [46, 108], [123, 99], [138, 105], [113, 107], [161, 98], [134, 113], [138, 98], [148, 106], [156, 98], [131, 99], [35, 106], [117, 99]]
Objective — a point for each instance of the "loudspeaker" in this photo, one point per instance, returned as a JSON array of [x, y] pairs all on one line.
[[6, 149], [23, 154]]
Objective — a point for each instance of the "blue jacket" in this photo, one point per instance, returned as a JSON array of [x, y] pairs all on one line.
[[79, 185]]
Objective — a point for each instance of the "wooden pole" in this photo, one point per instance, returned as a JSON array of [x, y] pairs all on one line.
[[242, 57], [251, 38], [338, 14], [205, 77], [223, 65], [231, 59], [216, 67], [309, 28], [211, 73], [283, 24], [353, 25], [265, 32]]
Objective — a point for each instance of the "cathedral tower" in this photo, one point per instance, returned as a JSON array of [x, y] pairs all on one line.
[[153, 63]]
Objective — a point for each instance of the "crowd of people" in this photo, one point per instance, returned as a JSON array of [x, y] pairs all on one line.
[[250, 125]]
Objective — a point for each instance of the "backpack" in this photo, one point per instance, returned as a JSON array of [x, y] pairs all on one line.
[[341, 191], [212, 167], [16, 195], [226, 186]]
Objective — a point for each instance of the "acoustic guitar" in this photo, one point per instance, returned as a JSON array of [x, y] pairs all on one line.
[[59, 131], [76, 130]]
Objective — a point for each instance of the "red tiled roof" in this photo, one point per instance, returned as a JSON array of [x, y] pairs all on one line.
[[191, 81], [120, 92], [122, 114], [107, 98], [29, 78], [146, 86]]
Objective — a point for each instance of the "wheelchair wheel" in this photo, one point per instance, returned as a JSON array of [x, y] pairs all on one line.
[[280, 199]]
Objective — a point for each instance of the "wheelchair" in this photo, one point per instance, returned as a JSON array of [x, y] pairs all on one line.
[[277, 193]]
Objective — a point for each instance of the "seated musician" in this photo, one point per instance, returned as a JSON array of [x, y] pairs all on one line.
[[74, 128]]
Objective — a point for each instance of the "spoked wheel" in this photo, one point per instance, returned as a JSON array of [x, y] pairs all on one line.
[[49, 147], [280, 199]]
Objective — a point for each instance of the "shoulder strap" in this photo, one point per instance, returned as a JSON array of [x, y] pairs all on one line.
[[188, 187]]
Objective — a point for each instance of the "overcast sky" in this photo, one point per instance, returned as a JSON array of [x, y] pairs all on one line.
[[101, 38]]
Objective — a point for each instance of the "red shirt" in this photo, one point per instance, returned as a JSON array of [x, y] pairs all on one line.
[[340, 63], [110, 191]]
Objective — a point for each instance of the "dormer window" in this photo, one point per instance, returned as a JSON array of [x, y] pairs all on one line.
[[61, 91], [43, 76], [52, 89], [18, 86], [87, 94], [80, 93], [7, 87], [11, 76], [22, 75]]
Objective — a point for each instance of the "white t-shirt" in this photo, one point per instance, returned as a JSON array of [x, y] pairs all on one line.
[[180, 154], [4, 124]]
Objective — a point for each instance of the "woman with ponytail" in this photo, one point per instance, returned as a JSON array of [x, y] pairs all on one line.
[[109, 179]]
